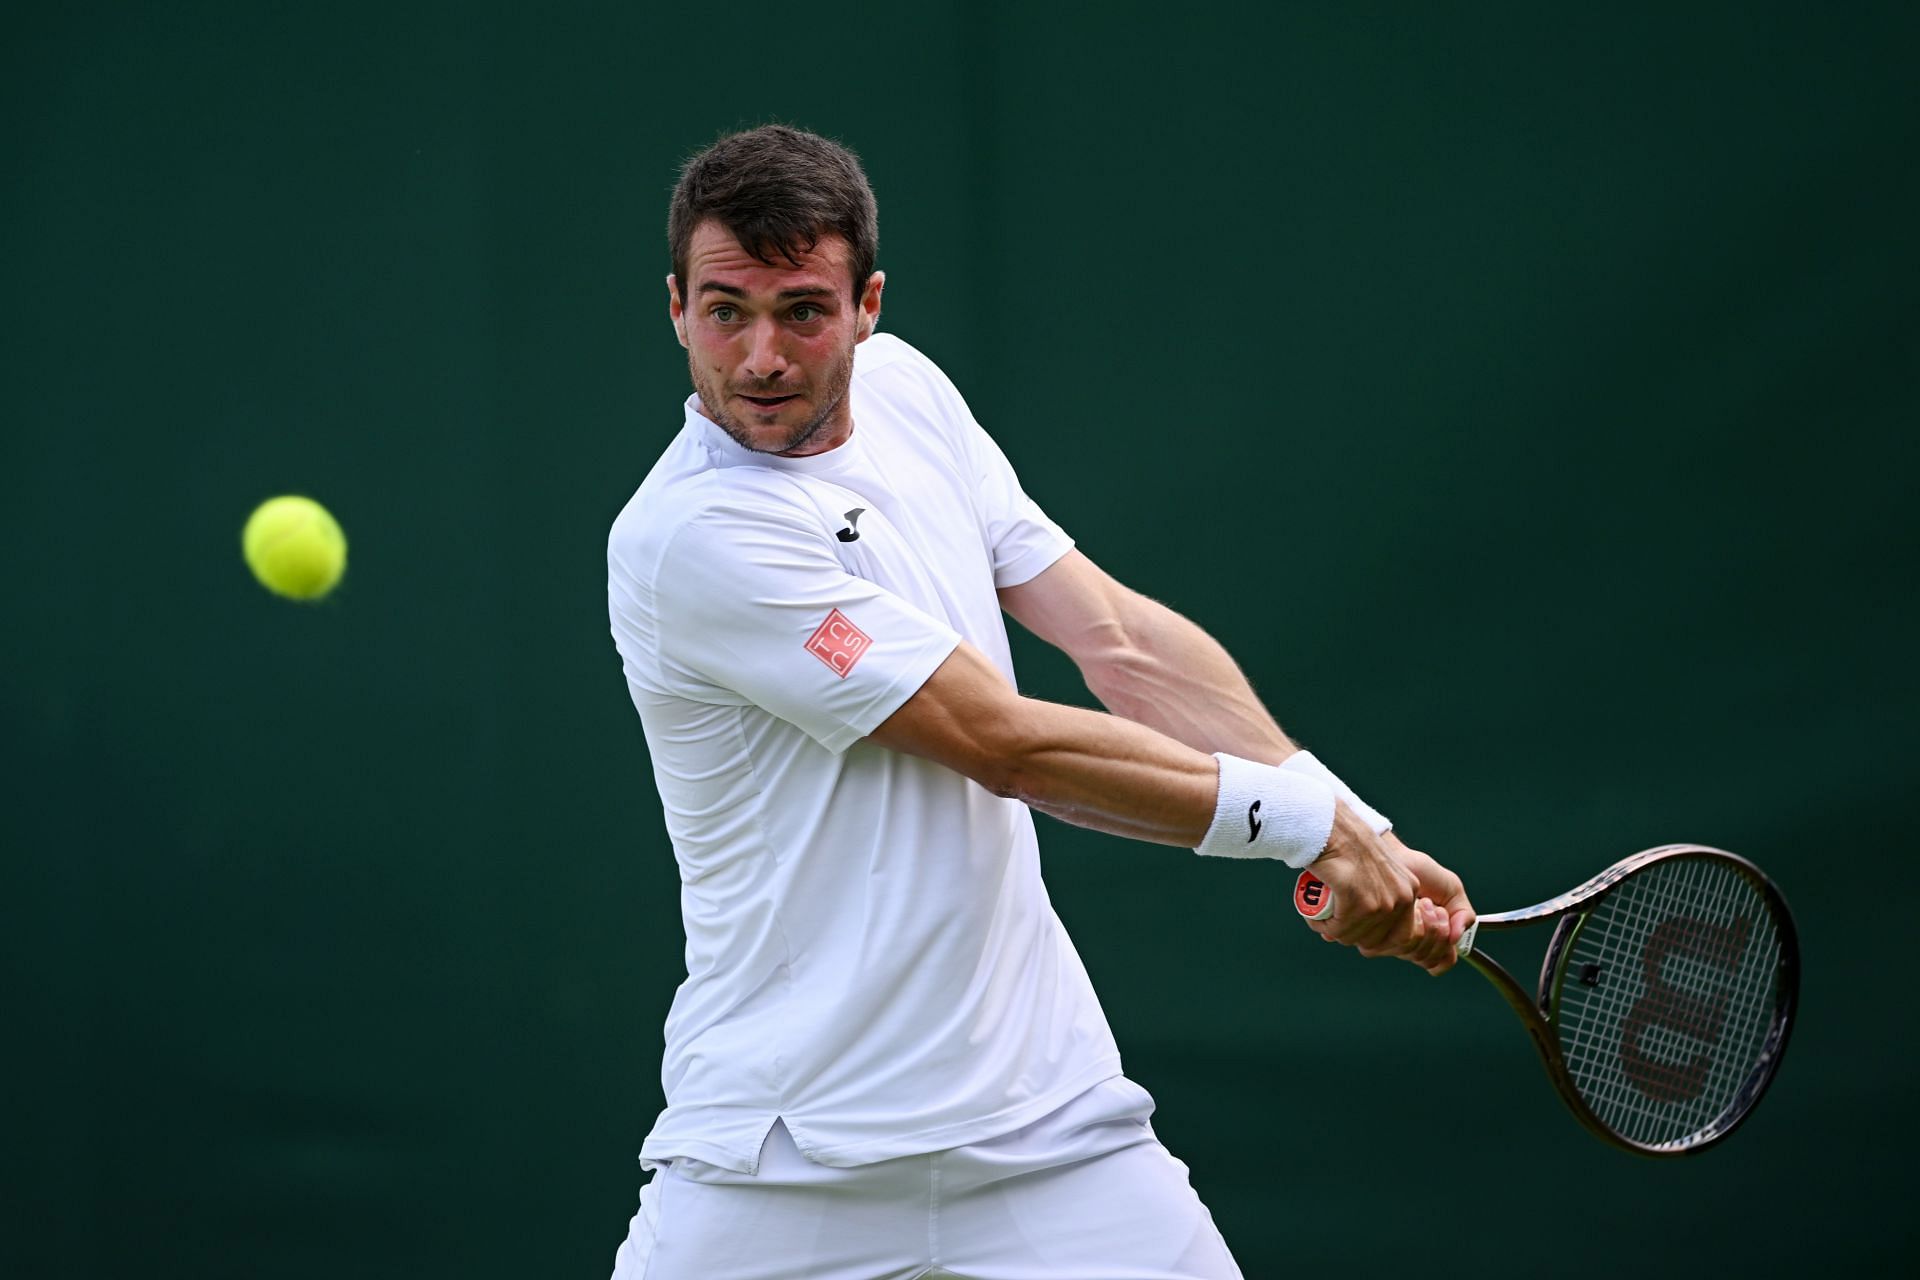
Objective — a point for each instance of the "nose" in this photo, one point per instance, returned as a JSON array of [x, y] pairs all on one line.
[[766, 361]]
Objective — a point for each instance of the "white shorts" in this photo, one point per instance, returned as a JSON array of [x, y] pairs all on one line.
[[1084, 1193]]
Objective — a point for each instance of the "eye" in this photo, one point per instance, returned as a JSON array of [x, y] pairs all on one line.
[[723, 313], [806, 312]]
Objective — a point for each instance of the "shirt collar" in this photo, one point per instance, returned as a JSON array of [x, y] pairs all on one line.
[[728, 452]]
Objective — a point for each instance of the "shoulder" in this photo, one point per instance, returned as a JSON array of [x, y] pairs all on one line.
[[884, 351], [916, 390], [888, 365], [912, 385], [725, 506], [728, 506]]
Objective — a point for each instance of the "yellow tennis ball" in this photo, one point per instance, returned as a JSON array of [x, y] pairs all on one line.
[[295, 547]]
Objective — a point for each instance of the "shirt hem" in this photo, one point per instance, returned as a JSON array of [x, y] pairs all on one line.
[[890, 699], [943, 1137], [1031, 565], [655, 1154], [659, 1150]]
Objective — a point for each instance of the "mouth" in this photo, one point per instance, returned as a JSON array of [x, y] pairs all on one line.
[[768, 404]]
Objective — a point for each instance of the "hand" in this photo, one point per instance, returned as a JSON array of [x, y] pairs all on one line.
[[1381, 909], [1439, 886]]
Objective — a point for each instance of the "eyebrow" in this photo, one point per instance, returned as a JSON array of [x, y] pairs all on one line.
[[735, 291]]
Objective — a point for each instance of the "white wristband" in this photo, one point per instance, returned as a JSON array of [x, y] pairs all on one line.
[[1263, 812], [1305, 762]]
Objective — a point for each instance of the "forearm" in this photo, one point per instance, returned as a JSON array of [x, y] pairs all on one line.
[[1081, 766], [1164, 671], [1161, 670], [1152, 667], [1112, 775], [1104, 772]]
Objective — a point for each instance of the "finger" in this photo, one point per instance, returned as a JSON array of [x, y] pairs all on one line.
[[1444, 939], [1349, 926], [1410, 936], [1459, 918], [1448, 931], [1375, 920], [1389, 933], [1401, 926], [1364, 935], [1434, 944]]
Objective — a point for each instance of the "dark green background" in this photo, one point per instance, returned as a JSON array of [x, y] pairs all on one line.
[[1525, 393]]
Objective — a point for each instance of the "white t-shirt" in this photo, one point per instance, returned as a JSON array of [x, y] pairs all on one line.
[[871, 955]]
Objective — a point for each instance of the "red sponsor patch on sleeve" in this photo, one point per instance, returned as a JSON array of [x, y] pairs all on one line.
[[838, 643]]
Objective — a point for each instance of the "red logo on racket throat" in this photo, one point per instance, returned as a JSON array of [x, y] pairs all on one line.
[[838, 643]]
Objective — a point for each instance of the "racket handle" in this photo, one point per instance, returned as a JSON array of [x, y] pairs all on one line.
[[1314, 900]]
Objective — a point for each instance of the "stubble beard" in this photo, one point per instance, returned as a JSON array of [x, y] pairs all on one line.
[[715, 404]]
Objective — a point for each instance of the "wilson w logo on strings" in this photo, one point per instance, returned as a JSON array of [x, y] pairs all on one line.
[[1694, 1009]]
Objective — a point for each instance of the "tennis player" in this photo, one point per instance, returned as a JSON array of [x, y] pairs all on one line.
[[886, 1059]]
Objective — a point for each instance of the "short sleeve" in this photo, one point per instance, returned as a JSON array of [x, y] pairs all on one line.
[[753, 606], [1020, 537]]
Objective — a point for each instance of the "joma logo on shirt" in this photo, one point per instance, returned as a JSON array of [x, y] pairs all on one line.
[[838, 643]]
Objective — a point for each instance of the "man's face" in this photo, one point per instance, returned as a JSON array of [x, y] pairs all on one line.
[[770, 346]]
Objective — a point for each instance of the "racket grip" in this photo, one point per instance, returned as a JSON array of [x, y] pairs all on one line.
[[1314, 900], [1311, 897]]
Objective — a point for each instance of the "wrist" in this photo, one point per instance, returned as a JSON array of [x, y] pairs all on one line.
[[1263, 811], [1306, 764]]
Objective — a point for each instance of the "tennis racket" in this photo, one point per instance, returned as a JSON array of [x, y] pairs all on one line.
[[1665, 998]]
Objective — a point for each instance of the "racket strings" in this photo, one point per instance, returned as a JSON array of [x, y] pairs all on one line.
[[1669, 995], [1663, 1049]]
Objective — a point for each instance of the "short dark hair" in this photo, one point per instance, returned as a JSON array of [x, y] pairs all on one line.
[[779, 190]]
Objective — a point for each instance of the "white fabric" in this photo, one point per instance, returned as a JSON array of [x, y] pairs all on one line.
[[1262, 811], [1307, 763], [1085, 1193], [871, 955]]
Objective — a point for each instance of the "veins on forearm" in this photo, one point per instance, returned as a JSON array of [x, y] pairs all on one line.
[[1106, 774], [1164, 671]]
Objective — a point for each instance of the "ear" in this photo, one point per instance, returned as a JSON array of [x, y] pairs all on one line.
[[677, 312], [869, 318]]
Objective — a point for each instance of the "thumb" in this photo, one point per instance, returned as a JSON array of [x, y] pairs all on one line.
[[1458, 918]]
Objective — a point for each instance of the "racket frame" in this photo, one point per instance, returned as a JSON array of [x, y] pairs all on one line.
[[1536, 1010]]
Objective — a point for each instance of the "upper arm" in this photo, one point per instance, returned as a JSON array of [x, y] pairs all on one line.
[[965, 716], [751, 606]]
